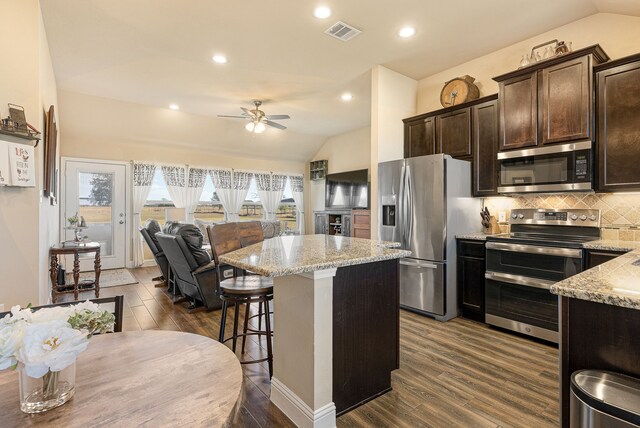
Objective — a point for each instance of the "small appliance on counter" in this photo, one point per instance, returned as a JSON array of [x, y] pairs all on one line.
[[545, 246], [423, 203]]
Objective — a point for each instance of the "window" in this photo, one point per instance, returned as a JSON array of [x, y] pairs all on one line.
[[252, 207], [287, 212], [157, 200], [209, 208]]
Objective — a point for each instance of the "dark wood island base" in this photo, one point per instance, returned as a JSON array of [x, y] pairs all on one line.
[[366, 332]]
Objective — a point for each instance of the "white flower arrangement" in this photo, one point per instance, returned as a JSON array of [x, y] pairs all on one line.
[[49, 339]]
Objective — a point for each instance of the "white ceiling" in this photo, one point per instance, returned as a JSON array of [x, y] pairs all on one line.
[[159, 52]]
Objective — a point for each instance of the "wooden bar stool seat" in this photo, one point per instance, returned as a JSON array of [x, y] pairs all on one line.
[[247, 285]]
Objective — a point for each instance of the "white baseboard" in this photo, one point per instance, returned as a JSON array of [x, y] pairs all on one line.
[[298, 411]]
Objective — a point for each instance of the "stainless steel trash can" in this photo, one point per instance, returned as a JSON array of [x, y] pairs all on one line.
[[602, 399]]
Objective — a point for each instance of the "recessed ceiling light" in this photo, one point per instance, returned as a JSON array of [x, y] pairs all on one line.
[[322, 12], [406, 32], [174, 106], [346, 96], [220, 59]]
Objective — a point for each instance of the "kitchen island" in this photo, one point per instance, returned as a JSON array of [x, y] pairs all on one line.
[[599, 321], [336, 321]]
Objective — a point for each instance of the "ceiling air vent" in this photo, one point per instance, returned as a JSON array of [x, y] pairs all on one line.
[[342, 31]]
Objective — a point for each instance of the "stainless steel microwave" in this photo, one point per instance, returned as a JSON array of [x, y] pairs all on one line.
[[559, 168]]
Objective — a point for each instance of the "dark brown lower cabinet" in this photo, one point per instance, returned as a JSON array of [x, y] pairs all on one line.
[[598, 337], [597, 257], [470, 277]]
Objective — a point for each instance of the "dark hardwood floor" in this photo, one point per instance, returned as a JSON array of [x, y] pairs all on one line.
[[454, 374]]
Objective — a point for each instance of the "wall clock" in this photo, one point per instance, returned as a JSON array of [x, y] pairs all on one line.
[[459, 90]]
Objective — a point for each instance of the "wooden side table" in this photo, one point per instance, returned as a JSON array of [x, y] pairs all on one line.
[[76, 250]]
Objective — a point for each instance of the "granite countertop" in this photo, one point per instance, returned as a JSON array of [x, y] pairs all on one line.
[[289, 255], [616, 282], [612, 245], [474, 236]]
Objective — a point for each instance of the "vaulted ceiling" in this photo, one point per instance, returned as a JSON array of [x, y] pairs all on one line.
[[156, 53]]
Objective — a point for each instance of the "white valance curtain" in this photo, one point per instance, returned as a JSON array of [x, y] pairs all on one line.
[[231, 187], [270, 189], [297, 190], [193, 190], [142, 180], [175, 178]]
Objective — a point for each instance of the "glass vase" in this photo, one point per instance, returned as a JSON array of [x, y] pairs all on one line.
[[38, 395]]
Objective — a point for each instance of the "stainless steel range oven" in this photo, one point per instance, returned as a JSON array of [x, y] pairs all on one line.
[[544, 246], [558, 168]]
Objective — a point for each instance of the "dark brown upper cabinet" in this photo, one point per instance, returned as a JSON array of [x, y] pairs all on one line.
[[519, 112], [485, 137], [618, 136], [454, 133], [565, 106], [467, 131], [419, 136], [549, 102]]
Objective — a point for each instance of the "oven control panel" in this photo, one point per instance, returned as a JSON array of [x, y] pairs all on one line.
[[568, 217]]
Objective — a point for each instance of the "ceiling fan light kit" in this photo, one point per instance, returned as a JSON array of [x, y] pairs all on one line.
[[258, 121], [256, 127]]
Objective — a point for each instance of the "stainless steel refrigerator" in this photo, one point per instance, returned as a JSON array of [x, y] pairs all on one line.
[[423, 203]]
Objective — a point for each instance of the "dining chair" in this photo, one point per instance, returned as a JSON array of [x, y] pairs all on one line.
[[239, 290], [111, 304]]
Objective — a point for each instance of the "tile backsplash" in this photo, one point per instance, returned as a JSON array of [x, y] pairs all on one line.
[[620, 212]]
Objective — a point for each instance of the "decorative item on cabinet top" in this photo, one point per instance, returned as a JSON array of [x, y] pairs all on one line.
[[458, 91], [552, 49]]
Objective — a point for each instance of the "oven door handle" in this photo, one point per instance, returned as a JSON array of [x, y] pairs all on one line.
[[419, 264], [519, 280], [550, 251]]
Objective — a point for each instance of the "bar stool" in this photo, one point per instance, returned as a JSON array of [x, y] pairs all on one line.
[[250, 232], [240, 290]]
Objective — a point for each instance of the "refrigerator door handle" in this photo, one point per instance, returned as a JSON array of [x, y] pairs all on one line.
[[409, 213], [401, 207]]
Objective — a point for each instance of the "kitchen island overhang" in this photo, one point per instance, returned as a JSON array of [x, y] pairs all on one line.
[[336, 321]]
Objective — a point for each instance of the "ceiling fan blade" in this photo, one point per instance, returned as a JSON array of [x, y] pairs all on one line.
[[278, 116], [249, 112], [274, 124], [234, 117]]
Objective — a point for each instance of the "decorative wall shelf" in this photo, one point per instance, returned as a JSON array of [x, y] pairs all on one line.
[[318, 169], [27, 137]]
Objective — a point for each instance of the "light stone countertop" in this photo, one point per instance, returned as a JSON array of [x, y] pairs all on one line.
[[616, 282], [289, 255], [473, 236], [612, 245]]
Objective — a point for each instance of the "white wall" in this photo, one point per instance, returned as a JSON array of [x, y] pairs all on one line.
[[619, 35], [49, 214], [345, 152], [27, 224], [393, 98]]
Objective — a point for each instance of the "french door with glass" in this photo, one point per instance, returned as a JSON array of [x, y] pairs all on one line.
[[97, 191]]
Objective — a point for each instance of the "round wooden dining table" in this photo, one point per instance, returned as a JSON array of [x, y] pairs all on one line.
[[150, 378]]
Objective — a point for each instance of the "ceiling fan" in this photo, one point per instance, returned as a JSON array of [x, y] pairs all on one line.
[[258, 121]]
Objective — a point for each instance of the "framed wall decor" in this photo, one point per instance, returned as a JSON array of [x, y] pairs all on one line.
[[50, 175]]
